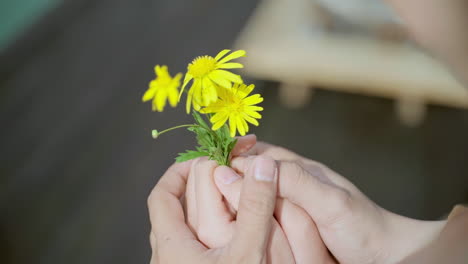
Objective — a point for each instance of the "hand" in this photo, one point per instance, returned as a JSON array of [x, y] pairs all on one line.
[[353, 228], [214, 222], [173, 242]]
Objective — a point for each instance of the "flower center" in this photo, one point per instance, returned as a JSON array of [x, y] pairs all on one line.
[[201, 66]]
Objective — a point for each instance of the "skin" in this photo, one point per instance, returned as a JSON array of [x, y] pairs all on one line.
[[352, 227], [172, 240], [294, 237]]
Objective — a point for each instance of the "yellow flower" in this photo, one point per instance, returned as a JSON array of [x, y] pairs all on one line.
[[162, 88], [207, 72], [235, 104]]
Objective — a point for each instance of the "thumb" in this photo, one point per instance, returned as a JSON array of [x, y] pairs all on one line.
[[256, 207], [229, 184]]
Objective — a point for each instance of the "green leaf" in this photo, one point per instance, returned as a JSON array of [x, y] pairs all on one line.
[[200, 120], [191, 154]]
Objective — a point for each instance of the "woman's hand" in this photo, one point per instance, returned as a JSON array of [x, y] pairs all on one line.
[[353, 228], [172, 240], [215, 223]]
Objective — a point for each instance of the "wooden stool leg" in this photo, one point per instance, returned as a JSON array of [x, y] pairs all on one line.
[[411, 110], [295, 95]]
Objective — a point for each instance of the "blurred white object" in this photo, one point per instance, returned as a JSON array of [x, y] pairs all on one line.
[[286, 42], [363, 13]]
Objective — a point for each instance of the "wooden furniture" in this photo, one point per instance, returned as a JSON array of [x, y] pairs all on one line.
[[286, 42]]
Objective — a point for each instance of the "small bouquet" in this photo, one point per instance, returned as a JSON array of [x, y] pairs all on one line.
[[219, 100]]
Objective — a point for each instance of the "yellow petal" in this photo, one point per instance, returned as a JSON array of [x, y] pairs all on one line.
[[217, 117], [253, 114], [220, 123], [246, 127], [221, 54], [189, 101], [236, 54], [149, 94], [254, 108], [227, 75], [240, 126], [230, 65], [232, 126], [220, 79], [197, 91], [209, 91], [245, 90], [253, 99], [250, 119], [173, 97], [187, 79], [160, 100], [196, 106]]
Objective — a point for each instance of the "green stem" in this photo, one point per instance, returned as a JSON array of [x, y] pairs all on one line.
[[155, 133]]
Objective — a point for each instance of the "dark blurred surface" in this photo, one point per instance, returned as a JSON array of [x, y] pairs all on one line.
[[77, 159]]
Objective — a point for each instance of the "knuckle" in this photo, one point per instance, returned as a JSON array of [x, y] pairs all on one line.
[[246, 255], [258, 205], [205, 235], [153, 197], [295, 172], [340, 206]]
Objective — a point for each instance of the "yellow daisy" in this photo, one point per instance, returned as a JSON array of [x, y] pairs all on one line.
[[235, 104], [207, 72], [163, 88]]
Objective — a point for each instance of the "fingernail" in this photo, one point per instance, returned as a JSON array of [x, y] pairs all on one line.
[[228, 177], [265, 169]]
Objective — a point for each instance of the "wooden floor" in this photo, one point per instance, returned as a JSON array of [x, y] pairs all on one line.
[[77, 160]]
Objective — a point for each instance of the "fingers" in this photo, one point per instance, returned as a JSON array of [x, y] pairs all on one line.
[[191, 202], [228, 183], [256, 206], [244, 144], [278, 250], [310, 189], [277, 153], [299, 229], [214, 226], [166, 213], [302, 233]]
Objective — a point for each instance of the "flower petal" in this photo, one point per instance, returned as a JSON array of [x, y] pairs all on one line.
[[221, 54], [246, 127], [149, 94], [218, 124], [245, 90], [219, 79], [209, 92], [250, 119], [253, 99], [173, 96], [160, 100], [218, 116], [232, 126], [222, 74], [240, 125], [189, 100], [230, 65], [236, 54], [254, 108], [253, 114], [187, 79]]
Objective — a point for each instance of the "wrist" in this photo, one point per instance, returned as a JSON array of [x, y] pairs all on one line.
[[405, 236]]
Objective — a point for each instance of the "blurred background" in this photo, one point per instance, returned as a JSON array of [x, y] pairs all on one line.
[[77, 158]]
